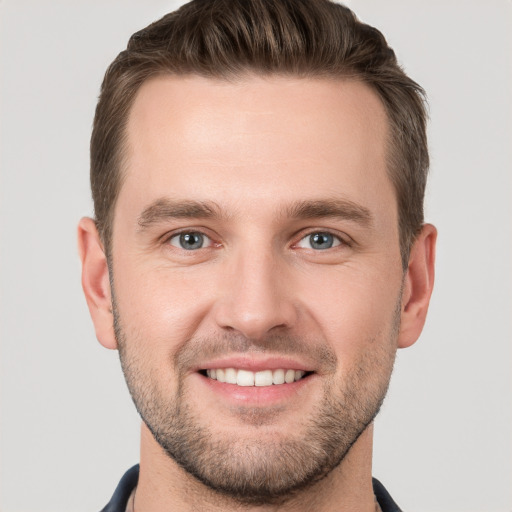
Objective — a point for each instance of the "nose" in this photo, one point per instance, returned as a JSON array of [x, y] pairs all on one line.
[[256, 296]]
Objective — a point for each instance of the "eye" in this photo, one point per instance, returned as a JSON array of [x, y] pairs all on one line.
[[190, 240], [319, 241]]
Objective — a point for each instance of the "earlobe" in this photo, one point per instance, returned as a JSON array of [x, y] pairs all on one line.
[[418, 286], [95, 282]]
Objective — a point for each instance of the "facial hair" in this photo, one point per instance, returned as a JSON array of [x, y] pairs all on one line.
[[257, 470]]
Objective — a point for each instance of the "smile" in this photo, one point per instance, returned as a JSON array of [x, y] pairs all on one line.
[[261, 378]]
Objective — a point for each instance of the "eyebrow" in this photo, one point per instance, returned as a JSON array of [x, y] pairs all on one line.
[[330, 208], [167, 209]]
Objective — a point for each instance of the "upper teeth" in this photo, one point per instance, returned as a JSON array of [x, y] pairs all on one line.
[[262, 378]]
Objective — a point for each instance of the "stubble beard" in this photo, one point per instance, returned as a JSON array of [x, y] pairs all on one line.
[[259, 470]]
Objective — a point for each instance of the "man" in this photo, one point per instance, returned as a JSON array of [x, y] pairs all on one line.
[[258, 253]]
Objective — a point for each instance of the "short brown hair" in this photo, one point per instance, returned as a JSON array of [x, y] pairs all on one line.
[[229, 38]]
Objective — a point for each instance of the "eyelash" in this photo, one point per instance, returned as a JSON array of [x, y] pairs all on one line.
[[337, 240], [190, 232]]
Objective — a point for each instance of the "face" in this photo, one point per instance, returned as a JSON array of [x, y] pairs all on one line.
[[256, 275]]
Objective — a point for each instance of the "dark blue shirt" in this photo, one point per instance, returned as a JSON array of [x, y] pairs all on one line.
[[131, 477]]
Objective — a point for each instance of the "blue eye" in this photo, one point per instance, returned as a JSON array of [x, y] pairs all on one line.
[[190, 240], [319, 241]]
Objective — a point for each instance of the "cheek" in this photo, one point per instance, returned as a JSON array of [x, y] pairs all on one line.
[[354, 310], [158, 313], [161, 306]]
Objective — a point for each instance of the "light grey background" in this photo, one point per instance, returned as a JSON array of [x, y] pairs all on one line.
[[68, 428]]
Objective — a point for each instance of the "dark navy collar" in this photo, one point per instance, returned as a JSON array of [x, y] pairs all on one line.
[[123, 490], [384, 500], [131, 477]]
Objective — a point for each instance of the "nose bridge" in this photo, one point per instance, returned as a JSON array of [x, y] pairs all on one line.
[[256, 297]]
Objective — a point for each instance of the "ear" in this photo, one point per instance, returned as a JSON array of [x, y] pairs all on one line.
[[95, 282], [418, 285]]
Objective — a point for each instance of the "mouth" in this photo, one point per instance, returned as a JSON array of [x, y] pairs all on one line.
[[264, 378]]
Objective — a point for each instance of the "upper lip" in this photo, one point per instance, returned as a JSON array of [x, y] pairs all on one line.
[[255, 364]]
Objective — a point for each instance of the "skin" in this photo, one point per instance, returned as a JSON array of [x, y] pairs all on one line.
[[256, 148]]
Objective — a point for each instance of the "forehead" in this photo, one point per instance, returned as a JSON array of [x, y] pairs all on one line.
[[257, 137]]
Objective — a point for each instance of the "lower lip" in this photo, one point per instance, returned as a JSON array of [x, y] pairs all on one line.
[[256, 395]]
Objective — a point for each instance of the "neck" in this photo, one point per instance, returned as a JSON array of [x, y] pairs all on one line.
[[165, 486]]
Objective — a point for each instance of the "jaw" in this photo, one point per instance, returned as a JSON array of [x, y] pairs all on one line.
[[348, 485], [239, 445]]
